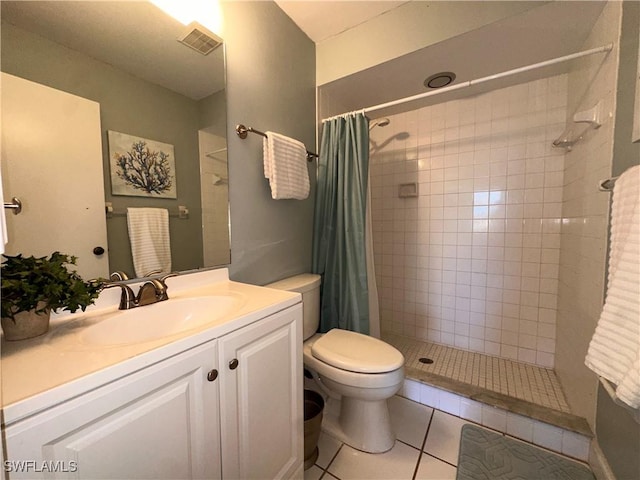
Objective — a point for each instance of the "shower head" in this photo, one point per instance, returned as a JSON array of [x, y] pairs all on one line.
[[379, 122]]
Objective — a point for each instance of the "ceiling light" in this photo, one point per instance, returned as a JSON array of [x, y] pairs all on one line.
[[439, 80], [205, 12]]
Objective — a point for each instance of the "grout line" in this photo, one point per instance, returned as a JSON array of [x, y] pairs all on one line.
[[334, 457], [326, 470], [424, 442], [439, 459]]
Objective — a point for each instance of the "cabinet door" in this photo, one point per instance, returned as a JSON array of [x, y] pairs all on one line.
[[261, 398], [159, 423]]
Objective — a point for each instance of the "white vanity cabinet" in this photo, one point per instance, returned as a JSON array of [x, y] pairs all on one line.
[[160, 422], [261, 398], [228, 408]]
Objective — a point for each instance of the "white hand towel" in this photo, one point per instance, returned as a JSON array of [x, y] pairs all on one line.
[[614, 351], [149, 237], [285, 165]]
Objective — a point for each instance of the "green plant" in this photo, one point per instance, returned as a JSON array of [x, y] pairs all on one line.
[[27, 281]]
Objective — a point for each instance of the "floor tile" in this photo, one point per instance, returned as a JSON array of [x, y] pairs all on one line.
[[328, 476], [409, 420], [433, 469], [443, 439], [314, 473], [398, 463], [327, 449]]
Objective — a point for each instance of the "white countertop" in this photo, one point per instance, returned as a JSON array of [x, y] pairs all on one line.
[[41, 372]]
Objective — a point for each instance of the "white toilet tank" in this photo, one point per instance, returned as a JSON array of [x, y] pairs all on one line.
[[308, 284]]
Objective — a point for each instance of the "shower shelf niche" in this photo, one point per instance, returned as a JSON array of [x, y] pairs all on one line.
[[573, 134], [408, 190]]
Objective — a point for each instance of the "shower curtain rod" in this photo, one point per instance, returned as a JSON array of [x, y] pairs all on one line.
[[469, 83]]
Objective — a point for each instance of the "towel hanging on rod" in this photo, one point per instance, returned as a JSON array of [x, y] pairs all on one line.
[[242, 131], [614, 350]]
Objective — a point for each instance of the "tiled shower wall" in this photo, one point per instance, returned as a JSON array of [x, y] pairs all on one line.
[[585, 209], [472, 261]]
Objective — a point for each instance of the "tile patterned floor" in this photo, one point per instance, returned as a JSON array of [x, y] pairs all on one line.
[[426, 449], [518, 380]]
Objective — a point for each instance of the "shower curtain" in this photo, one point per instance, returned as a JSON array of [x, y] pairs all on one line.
[[339, 249]]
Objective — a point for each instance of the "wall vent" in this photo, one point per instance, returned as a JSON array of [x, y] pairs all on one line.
[[200, 39]]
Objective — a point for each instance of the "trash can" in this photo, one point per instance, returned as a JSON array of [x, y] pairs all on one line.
[[313, 407]]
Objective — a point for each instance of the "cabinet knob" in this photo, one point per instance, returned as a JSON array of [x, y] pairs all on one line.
[[212, 375], [233, 364]]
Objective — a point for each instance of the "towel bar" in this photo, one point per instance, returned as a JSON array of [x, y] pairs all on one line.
[[242, 131], [183, 212]]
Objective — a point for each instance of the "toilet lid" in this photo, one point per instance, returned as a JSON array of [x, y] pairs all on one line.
[[356, 352]]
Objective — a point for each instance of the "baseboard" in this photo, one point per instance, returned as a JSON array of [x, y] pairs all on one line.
[[598, 462]]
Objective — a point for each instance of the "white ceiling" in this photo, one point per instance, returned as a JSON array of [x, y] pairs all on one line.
[[324, 19]]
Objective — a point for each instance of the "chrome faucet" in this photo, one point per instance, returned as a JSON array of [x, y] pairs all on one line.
[[151, 291], [127, 298]]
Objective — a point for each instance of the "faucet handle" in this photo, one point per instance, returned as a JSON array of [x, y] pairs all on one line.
[[118, 276], [127, 298], [168, 275], [161, 281]]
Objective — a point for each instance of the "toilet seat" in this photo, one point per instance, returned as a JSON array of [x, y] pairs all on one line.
[[346, 377], [355, 352]]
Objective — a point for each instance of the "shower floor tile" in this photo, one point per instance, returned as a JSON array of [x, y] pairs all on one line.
[[521, 381]]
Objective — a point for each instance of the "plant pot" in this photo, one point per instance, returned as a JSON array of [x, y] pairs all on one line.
[[26, 325]]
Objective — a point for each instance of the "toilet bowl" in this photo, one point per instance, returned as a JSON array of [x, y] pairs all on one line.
[[358, 372]]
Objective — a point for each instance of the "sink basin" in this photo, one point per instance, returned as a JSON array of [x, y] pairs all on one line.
[[162, 319]]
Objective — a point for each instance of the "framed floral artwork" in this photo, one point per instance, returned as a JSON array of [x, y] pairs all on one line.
[[141, 167]]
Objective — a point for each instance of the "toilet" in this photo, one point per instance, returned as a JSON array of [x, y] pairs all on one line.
[[358, 372]]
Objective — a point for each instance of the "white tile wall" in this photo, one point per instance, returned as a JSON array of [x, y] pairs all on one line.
[[472, 261]]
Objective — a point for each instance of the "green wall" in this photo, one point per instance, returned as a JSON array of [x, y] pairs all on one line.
[[270, 86]]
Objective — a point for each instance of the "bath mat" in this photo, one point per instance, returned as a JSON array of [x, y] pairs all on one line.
[[485, 455]]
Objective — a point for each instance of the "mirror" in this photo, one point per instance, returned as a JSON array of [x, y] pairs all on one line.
[[126, 57]]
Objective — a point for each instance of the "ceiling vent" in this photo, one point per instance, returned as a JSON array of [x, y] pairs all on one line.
[[200, 39]]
